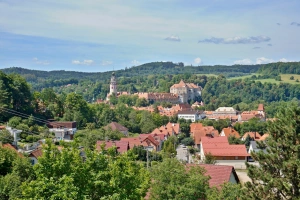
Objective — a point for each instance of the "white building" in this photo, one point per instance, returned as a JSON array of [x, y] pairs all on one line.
[[186, 91], [15, 133], [192, 115], [63, 130]]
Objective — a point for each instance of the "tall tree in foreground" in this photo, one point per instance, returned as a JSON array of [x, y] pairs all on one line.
[[278, 176], [172, 180]]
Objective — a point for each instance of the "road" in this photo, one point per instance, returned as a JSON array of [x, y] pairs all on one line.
[[182, 153]]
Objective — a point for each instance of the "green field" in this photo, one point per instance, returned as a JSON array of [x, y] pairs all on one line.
[[285, 78]]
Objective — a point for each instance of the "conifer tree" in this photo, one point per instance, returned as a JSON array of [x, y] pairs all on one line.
[[278, 173]]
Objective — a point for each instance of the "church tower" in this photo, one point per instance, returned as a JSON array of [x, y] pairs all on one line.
[[113, 84]]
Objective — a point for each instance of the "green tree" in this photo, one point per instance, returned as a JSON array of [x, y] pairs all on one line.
[[172, 180], [6, 137], [228, 191], [277, 176], [169, 146], [210, 159], [188, 141]]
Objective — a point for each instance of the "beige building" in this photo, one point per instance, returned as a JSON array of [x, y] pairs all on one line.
[[186, 91]]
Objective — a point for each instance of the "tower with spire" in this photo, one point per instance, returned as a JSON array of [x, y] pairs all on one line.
[[113, 84]]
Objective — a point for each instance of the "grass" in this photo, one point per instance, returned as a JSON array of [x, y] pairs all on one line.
[[286, 78], [242, 77]]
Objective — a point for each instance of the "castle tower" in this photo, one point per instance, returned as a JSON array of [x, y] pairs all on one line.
[[113, 84]]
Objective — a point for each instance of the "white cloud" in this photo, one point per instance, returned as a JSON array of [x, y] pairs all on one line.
[[40, 62], [106, 62], [135, 62], [243, 62], [198, 61], [173, 38], [285, 60], [84, 62], [263, 60], [237, 40]]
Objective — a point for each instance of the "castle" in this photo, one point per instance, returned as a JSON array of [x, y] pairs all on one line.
[[186, 91]]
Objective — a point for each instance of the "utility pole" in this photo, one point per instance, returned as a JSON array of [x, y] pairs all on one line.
[[147, 159]]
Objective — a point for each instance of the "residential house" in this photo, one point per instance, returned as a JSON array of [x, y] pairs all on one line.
[[63, 130], [247, 115], [225, 153], [219, 174], [197, 131], [192, 115], [186, 91], [117, 127], [229, 132], [252, 135], [15, 133], [154, 97], [9, 146], [170, 128], [254, 147], [197, 104], [121, 146], [34, 155], [145, 140]]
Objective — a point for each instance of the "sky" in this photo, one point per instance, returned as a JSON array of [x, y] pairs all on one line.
[[105, 35]]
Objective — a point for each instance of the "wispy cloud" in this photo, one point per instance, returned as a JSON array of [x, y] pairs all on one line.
[[198, 61], [106, 62], [243, 62], [263, 60], [256, 47], [237, 40], [40, 62], [285, 60], [295, 24], [84, 62], [173, 38], [278, 24], [135, 62], [269, 45]]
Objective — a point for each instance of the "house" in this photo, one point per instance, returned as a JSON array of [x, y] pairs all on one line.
[[230, 132], [197, 130], [63, 130], [15, 133], [170, 129], [192, 115], [186, 91], [145, 140], [121, 146], [252, 135], [218, 174], [254, 147], [247, 115], [154, 97], [117, 127], [197, 104], [9, 146], [225, 153], [34, 155]]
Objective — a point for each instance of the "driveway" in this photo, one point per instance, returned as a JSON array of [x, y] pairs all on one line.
[[182, 153]]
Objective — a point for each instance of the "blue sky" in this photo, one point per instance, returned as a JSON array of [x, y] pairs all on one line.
[[101, 35]]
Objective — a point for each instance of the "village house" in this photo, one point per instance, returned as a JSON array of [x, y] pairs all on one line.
[[197, 104], [34, 155], [223, 113], [186, 91], [114, 126], [192, 115], [219, 174], [252, 135], [253, 147], [197, 131], [153, 97], [121, 146], [230, 132], [225, 153], [247, 115], [63, 130], [145, 140]]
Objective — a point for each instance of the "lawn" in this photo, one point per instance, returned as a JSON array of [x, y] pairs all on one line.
[[242, 77], [286, 78]]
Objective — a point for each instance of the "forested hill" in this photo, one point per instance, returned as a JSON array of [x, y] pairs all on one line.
[[280, 68], [145, 69]]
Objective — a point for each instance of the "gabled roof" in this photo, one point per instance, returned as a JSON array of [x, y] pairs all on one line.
[[218, 174], [254, 135], [264, 137], [135, 142], [9, 146], [122, 146], [116, 127], [219, 146], [36, 153], [231, 132], [198, 131], [144, 137], [261, 107]]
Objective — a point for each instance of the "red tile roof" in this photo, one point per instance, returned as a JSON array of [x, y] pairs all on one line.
[[219, 146], [264, 137], [36, 153], [219, 174], [231, 132], [122, 146], [260, 107], [135, 142], [116, 127], [198, 130], [254, 135]]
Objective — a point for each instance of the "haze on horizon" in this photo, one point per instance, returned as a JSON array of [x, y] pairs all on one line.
[[98, 35]]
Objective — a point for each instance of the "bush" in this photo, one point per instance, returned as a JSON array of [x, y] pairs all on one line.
[[188, 141]]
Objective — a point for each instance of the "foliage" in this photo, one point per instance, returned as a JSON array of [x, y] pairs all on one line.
[[234, 140], [210, 159], [278, 174], [141, 154], [188, 141], [171, 180], [6, 137], [169, 147], [67, 175], [228, 191]]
